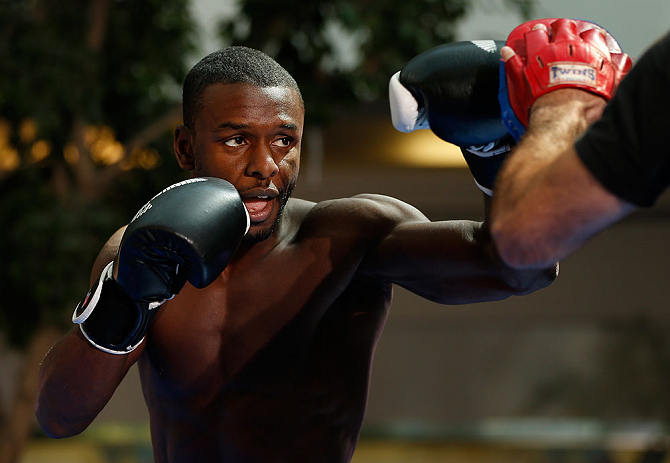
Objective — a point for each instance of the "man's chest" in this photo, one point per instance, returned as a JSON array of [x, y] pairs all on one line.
[[207, 336]]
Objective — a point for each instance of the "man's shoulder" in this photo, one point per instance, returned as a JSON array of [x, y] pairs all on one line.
[[371, 211], [107, 254]]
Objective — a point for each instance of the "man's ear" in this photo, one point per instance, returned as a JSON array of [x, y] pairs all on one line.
[[183, 147]]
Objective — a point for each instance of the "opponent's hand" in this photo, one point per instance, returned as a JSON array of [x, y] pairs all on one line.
[[544, 55], [188, 232], [452, 90]]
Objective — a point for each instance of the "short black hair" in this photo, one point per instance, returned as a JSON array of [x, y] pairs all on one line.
[[232, 65]]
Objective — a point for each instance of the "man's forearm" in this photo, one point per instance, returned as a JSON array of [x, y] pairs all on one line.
[[75, 382]]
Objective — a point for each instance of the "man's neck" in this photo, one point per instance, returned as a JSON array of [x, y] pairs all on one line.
[[257, 249]]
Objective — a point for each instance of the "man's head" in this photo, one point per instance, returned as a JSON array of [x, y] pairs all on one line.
[[243, 120], [232, 65]]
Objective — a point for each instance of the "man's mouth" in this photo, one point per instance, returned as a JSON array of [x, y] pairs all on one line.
[[259, 206]]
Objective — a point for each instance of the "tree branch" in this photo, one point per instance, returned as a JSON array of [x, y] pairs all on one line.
[[142, 138], [98, 12], [16, 430]]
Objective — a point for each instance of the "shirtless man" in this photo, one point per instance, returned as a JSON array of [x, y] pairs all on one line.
[[271, 361]]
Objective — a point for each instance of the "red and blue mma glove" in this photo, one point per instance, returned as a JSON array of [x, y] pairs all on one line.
[[568, 54]]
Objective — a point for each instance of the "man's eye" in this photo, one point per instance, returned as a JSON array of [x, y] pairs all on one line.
[[235, 141], [283, 142]]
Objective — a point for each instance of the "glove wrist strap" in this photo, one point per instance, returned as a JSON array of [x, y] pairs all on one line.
[[109, 319], [485, 161]]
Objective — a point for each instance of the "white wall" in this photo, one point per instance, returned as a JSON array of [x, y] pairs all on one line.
[[635, 24]]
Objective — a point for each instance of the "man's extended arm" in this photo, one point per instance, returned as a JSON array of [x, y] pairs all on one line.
[[452, 90], [449, 262]]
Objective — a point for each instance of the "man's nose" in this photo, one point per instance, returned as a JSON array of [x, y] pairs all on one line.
[[262, 163]]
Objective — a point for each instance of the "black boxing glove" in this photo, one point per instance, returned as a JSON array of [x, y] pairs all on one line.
[[453, 90], [188, 232]]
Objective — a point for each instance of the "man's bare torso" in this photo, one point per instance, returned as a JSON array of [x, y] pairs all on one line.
[[272, 361]]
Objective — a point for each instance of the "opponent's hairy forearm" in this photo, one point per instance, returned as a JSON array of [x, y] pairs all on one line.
[[76, 381], [525, 185], [553, 127]]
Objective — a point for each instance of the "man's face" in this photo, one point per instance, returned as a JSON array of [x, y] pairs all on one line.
[[251, 137]]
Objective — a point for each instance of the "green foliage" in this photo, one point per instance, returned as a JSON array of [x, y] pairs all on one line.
[[66, 66], [144, 61], [52, 68], [307, 37], [46, 246]]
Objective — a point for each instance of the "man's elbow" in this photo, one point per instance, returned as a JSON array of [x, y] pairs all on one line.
[[513, 253], [57, 428], [530, 280], [518, 248]]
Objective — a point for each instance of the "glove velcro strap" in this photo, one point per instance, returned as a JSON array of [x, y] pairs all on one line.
[[485, 161], [109, 319], [406, 113]]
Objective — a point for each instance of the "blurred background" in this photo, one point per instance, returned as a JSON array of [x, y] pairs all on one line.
[[89, 95]]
